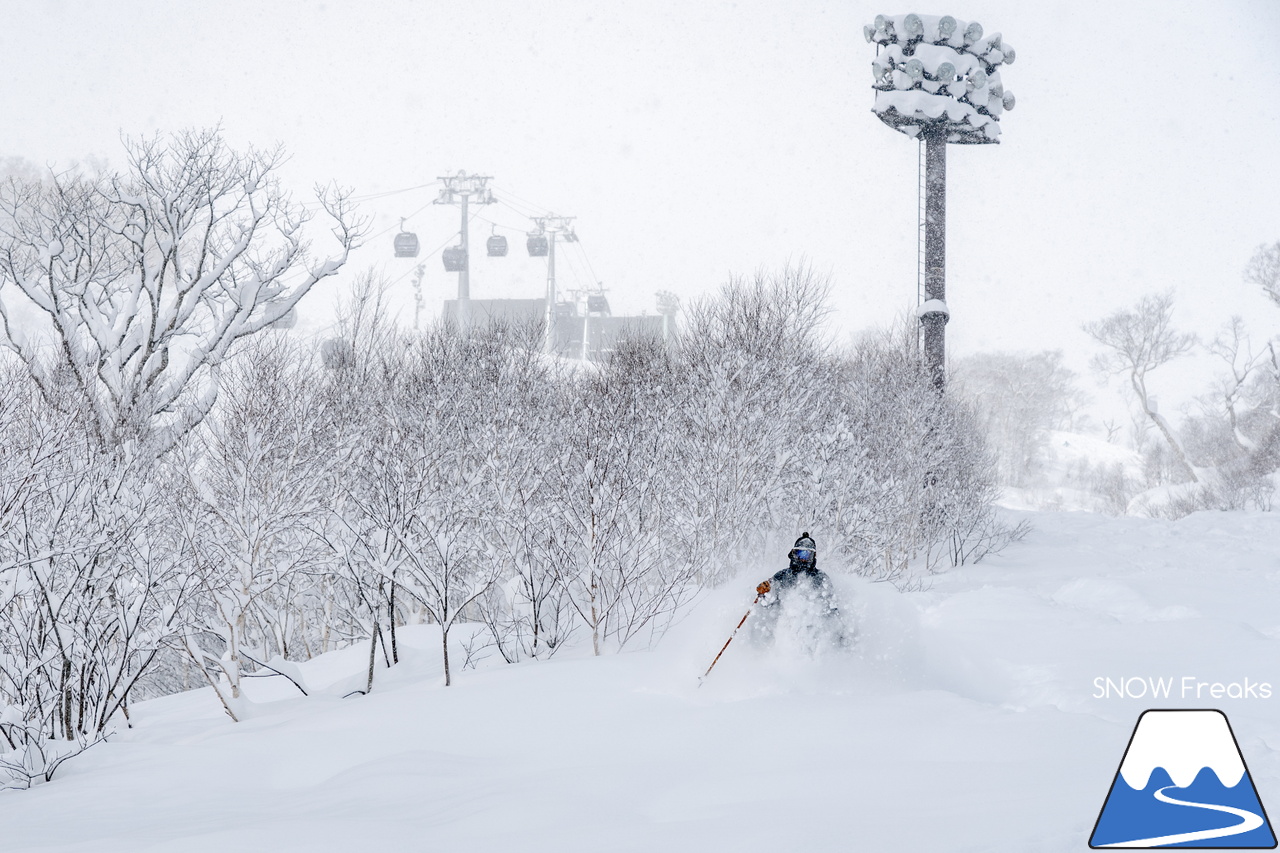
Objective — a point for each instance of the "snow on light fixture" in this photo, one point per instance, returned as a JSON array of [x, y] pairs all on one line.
[[945, 84]]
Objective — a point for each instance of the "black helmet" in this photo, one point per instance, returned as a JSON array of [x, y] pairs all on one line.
[[804, 554]]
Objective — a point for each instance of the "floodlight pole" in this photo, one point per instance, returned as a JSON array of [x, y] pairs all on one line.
[[948, 92], [934, 321]]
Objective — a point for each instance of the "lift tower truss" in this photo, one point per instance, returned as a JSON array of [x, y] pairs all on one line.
[[463, 190], [552, 225]]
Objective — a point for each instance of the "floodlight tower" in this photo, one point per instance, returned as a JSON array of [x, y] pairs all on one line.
[[542, 241], [463, 189], [936, 80]]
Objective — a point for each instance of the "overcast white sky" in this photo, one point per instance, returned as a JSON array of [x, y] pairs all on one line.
[[696, 140]]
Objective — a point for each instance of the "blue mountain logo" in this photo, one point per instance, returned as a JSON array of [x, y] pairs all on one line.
[[1182, 783]]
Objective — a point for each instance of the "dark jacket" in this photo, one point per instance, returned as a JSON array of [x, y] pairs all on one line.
[[809, 580]]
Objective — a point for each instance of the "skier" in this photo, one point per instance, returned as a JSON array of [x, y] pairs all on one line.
[[802, 592], [800, 601]]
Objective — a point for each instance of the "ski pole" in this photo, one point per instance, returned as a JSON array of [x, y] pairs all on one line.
[[728, 641]]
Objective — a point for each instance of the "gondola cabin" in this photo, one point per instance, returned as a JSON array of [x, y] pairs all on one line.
[[497, 246], [538, 246], [455, 259], [406, 245]]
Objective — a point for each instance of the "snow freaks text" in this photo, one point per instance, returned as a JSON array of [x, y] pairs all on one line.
[[1186, 687]]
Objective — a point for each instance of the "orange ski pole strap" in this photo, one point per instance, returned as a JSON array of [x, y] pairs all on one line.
[[741, 622]]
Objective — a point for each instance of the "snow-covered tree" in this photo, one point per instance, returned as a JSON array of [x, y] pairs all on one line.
[[1263, 270], [1231, 447], [144, 280], [258, 494], [1236, 392], [1236, 431], [1138, 341]]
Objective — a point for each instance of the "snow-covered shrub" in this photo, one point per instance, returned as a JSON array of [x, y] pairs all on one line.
[[752, 383], [624, 552], [443, 465], [90, 585], [529, 615], [1111, 482], [926, 482], [783, 431]]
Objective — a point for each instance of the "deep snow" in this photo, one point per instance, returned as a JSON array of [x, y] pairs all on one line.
[[965, 719]]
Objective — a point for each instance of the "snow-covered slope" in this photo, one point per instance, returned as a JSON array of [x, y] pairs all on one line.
[[972, 716]]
